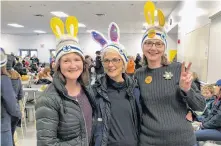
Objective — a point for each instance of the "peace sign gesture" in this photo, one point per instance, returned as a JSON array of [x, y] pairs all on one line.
[[185, 77]]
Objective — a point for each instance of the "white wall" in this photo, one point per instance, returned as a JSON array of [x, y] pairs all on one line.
[[189, 22], [12, 43], [214, 63], [172, 41]]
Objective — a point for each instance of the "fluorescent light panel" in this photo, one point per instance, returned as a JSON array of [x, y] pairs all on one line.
[[81, 25], [59, 14], [39, 31], [15, 25]]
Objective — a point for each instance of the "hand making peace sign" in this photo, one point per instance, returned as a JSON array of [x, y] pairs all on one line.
[[185, 77]]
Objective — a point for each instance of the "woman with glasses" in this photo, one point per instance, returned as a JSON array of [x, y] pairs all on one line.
[[116, 95], [166, 90], [211, 124]]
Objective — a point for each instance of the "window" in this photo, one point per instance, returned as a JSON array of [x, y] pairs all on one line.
[[52, 52], [28, 52]]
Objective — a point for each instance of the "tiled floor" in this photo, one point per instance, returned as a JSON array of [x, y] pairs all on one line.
[[30, 137]]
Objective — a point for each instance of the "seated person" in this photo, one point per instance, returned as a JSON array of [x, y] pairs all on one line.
[[44, 77], [211, 124], [207, 92]]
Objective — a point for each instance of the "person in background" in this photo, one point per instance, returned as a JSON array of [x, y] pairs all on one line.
[[89, 64], [210, 98], [196, 80], [18, 66], [99, 70], [211, 124], [138, 61], [17, 86], [9, 105], [117, 96], [130, 66], [34, 60], [166, 90], [52, 67], [65, 111], [11, 59], [44, 76]]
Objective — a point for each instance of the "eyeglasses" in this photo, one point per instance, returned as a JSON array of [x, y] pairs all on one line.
[[157, 44], [114, 61]]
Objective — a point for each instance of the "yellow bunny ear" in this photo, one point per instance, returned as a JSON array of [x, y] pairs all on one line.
[[72, 26], [57, 26], [161, 18], [149, 9]]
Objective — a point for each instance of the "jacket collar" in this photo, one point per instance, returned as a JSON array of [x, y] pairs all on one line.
[[60, 88], [101, 84]]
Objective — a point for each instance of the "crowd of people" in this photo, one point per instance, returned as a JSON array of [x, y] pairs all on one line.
[[133, 102]]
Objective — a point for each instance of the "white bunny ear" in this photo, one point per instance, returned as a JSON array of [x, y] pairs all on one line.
[[99, 38], [114, 32]]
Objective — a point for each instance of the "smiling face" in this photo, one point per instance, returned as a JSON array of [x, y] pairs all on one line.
[[153, 49], [71, 66], [113, 64]]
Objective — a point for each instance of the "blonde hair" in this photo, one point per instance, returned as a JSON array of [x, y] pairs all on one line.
[[14, 74], [4, 71], [195, 76], [44, 74], [209, 88], [84, 77]]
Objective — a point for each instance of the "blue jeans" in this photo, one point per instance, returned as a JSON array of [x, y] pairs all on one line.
[[6, 138], [208, 134]]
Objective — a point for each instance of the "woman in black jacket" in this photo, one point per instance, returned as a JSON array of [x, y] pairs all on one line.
[[117, 97], [65, 111]]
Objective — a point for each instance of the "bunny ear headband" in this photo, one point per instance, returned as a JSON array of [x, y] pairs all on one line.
[[114, 37], [155, 29], [67, 43]]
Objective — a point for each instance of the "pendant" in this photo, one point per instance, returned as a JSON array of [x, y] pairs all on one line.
[[148, 79], [168, 75]]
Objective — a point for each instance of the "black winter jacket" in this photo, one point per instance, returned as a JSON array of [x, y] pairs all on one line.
[[101, 132], [59, 118]]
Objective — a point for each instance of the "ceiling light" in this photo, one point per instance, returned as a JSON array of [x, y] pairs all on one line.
[[59, 14], [39, 31], [15, 25], [81, 25], [89, 31]]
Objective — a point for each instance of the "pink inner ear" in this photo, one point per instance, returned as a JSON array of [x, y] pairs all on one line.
[[113, 33]]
